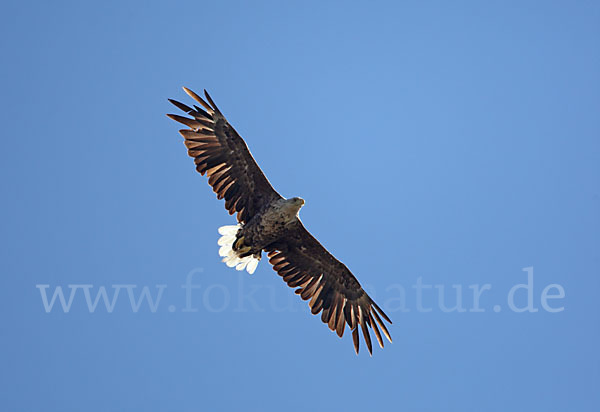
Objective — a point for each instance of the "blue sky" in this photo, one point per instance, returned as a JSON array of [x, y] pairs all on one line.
[[452, 145]]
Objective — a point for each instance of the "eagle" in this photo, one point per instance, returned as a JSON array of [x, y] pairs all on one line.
[[269, 222]]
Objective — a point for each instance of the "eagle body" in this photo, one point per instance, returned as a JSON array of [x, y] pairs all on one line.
[[269, 225], [268, 222], [242, 245]]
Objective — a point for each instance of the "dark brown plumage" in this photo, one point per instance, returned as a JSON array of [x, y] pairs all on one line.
[[302, 262], [221, 154]]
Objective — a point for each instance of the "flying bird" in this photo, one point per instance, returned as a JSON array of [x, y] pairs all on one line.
[[269, 222]]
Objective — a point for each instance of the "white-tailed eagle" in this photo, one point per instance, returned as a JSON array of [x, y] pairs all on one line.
[[269, 222]]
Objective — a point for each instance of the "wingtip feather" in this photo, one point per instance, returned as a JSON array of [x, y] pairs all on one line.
[[198, 99], [211, 101], [355, 339]]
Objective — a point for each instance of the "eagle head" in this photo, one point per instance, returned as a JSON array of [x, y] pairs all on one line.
[[297, 201], [292, 206]]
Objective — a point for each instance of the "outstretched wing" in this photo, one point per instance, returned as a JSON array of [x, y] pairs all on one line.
[[220, 152], [304, 263]]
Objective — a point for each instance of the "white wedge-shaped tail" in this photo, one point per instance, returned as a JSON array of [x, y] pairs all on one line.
[[230, 257]]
